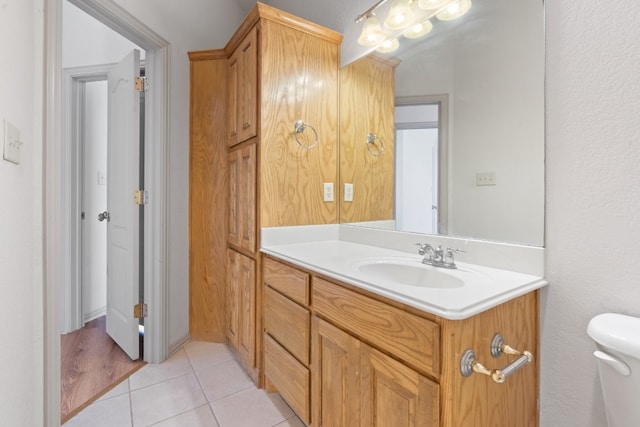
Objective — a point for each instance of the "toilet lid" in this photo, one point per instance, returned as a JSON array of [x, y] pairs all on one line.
[[617, 332]]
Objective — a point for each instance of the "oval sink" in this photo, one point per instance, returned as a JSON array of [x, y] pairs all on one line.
[[410, 274]]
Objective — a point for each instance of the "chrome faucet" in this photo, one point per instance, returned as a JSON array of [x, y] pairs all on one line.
[[438, 257]]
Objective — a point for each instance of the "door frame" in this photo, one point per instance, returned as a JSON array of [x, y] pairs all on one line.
[[73, 84], [156, 166], [443, 151]]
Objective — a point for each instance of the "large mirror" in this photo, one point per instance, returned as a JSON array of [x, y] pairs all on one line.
[[466, 158]]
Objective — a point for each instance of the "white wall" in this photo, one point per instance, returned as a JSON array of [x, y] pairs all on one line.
[[21, 364], [85, 41], [593, 195]]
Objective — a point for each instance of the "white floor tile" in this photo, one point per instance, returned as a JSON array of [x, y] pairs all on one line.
[[165, 400], [121, 388], [223, 379], [203, 355], [114, 412], [199, 417], [251, 408], [291, 422], [176, 366]]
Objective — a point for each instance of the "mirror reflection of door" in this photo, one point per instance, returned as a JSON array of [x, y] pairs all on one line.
[[417, 170]]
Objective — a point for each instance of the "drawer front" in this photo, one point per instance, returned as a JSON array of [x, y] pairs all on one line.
[[289, 376], [289, 281], [408, 337], [288, 323]]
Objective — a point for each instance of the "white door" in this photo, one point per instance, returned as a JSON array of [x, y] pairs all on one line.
[[123, 214]]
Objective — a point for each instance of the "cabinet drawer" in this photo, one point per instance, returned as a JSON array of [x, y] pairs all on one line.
[[406, 336], [289, 376], [291, 282], [288, 323]]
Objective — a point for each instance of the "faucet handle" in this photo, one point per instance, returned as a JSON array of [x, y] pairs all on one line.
[[456, 251], [424, 248]]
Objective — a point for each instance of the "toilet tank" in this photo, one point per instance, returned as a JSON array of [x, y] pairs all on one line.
[[617, 338]]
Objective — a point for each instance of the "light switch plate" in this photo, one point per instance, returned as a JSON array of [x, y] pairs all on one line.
[[348, 192], [485, 178], [12, 143], [328, 191]]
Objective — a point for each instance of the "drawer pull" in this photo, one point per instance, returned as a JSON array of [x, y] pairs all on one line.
[[469, 364]]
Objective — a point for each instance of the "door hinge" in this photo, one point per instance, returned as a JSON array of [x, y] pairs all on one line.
[[140, 197], [140, 310], [142, 85]]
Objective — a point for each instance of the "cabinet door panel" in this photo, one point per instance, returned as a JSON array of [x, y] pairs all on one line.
[[233, 295], [248, 87], [233, 163], [336, 387], [247, 195], [232, 101], [394, 395], [247, 316]]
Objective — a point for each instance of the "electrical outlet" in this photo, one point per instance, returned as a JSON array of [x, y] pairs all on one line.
[[12, 143], [348, 192], [328, 191], [485, 178]]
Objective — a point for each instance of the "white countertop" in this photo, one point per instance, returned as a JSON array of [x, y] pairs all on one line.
[[483, 289]]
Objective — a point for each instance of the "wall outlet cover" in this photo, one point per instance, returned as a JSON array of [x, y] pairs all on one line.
[[12, 143]]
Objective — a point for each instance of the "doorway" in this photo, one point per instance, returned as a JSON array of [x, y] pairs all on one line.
[[91, 361], [57, 203], [421, 193]]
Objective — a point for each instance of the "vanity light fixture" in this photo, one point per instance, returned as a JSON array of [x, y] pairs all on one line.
[[418, 30], [432, 4], [400, 15], [371, 31], [456, 10], [388, 46], [405, 19]]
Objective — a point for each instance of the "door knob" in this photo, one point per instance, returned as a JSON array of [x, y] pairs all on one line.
[[104, 215]]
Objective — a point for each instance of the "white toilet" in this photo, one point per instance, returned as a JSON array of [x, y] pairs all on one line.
[[617, 338]]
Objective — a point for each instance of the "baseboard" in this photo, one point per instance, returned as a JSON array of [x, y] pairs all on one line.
[[88, 317], [176, 346]]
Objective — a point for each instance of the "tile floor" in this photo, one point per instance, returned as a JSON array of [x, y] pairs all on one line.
[[200, 386]]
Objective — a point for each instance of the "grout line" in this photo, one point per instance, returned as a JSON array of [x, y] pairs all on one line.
[[130, 402], [195, 373]]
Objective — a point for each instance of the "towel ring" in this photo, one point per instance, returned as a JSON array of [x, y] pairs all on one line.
[[300, 127], [371, 140]]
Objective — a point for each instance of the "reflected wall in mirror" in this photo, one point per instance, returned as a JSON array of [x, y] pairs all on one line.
[[489, 65]]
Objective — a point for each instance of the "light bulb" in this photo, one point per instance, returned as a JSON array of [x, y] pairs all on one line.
[[454, 11], [418, 30], [388, 46], [371, 33], [432, 4], [400, 15]]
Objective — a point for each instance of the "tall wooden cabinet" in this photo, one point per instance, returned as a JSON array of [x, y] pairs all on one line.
[[278, 69]]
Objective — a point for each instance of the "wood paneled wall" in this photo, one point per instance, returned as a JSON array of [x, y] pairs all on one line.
[[208, 182], [367, 105], [298, 80]]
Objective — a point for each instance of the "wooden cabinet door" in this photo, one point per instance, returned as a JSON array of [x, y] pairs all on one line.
[[242, 198], [232, 100], [247, 54], [247, 196], [247, 311], [233, 297], [233, 163], [394, 395], [336, 377]]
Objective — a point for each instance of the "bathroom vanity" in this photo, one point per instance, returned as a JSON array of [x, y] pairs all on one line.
[[353, 332], [347, 349]]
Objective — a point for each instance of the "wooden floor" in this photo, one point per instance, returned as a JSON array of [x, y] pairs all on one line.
[[91, 364]]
